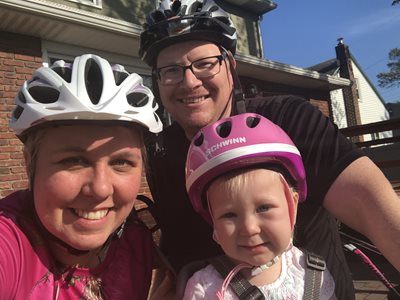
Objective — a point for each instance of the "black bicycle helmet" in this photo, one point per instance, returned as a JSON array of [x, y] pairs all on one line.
[[178, 21]]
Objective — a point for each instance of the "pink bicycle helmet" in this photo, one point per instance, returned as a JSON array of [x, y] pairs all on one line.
[[236, 142], [184, 20]]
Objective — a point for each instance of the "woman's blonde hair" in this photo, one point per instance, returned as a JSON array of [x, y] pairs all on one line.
[[31, 149]]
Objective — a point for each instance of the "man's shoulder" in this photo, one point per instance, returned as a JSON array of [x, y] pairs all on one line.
[[275, 107], [271, 101]]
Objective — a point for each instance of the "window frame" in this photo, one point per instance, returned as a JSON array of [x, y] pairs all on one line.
[[91, 3]]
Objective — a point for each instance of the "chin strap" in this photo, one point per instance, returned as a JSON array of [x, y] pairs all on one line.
[[243, 289], [240, 285], [257, 270], [254, 271]]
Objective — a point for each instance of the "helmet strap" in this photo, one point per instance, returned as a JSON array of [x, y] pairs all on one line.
[[258, 269], [238, 103]]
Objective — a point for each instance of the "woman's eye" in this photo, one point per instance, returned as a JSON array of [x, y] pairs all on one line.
[[122, 164], [74, 162], [263, 208]]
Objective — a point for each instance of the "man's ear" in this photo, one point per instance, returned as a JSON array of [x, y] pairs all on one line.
[[232, 60]]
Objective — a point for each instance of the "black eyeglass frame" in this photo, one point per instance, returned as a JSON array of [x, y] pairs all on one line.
[[221, 57]]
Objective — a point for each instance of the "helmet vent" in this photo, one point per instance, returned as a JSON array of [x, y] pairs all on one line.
[[176, 6], [93, 81], [199, 141], [224, 129], [196, 7], [252, 122], [137, 99], [158, 16], [64, 73], [18, 112], [21, 97], [119, 77], [213, 8], [44, 94], [156, 117]]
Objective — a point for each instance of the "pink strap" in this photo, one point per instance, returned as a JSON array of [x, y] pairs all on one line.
[[221, 293]]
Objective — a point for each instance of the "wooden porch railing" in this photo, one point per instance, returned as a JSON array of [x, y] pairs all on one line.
[[371, 128]]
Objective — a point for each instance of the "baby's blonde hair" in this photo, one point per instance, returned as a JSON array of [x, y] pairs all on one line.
[[234, 180]]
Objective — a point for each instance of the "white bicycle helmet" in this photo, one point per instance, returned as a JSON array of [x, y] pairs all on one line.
[[88, 89], [185, 20]]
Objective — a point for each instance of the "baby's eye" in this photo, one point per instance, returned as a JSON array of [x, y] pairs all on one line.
[[263, 208], [228, 215]]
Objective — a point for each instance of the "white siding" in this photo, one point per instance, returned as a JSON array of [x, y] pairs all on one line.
[[338, 109], [371, 107]]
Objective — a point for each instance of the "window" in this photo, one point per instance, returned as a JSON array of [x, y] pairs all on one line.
[[93, 3]]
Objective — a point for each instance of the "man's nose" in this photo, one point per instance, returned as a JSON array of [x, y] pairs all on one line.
[[189, 78]]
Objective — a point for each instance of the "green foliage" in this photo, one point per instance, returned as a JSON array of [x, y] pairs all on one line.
[[392, 77]]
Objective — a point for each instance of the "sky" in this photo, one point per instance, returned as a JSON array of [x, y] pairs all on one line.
[[305, 33]]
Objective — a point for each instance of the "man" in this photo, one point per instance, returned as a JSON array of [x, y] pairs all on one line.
[[189, 44]]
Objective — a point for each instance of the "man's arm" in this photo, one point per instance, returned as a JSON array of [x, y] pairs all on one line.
[[363, 199]]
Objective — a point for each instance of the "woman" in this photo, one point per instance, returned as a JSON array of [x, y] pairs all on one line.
[[73, 235]]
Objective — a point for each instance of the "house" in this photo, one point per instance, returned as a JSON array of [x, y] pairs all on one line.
[[36, 32], [366, 104], [364, 109]]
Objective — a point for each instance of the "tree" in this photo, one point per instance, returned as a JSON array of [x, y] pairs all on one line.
[[392, 77]]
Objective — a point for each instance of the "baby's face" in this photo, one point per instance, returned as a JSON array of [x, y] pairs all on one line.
[[251, 216]]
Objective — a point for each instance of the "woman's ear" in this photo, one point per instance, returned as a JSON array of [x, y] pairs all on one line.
[[28, 162]]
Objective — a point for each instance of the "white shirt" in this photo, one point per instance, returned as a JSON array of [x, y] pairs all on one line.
[[205, 283]]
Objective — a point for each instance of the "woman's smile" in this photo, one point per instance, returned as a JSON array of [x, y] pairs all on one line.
[[91, 214]]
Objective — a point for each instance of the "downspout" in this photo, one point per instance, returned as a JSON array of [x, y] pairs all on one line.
[[261, 51]]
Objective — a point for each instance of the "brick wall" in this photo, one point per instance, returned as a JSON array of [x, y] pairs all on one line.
[[19, 56], [322, 105]]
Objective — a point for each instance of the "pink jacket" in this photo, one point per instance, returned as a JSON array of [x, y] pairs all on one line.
[[28, 270]]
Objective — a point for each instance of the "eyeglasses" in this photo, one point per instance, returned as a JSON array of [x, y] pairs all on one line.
[[201, 68]]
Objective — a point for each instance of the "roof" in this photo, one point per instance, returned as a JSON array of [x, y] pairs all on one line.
[[276, 72], [60, 23], [330, 67]]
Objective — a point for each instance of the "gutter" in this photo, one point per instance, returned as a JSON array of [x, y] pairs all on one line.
[[73, 15], [261, 67]]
